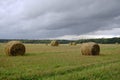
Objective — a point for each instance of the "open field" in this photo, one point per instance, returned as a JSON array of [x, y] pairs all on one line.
[[64, 62]]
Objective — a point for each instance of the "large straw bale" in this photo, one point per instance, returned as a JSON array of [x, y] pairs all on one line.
[[90, 48], [14, 48]]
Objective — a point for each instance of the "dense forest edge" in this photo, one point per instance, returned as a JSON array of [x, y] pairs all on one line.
[[115, 40]]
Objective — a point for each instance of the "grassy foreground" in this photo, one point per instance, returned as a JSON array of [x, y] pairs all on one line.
[[43, 62]]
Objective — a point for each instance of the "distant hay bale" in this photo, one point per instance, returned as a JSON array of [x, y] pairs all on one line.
[[14, 48], [54, 43], [46, 44], [90, 48], [72, 43], [116, 43]]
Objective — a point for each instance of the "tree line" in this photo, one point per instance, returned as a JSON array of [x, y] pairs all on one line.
[[100, 40]]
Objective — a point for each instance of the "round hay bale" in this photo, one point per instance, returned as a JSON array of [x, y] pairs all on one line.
[[46, 44], [14, 48], [54, 43], [72, 43], [90, 48], [116, 43]]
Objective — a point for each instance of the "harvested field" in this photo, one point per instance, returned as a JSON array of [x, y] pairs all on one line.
[[64, 62]]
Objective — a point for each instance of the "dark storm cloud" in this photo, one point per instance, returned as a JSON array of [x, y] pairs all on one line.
[[41, 19]]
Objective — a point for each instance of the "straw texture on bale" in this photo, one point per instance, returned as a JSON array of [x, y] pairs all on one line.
[[90, 48], [54, 43], [14, 48]]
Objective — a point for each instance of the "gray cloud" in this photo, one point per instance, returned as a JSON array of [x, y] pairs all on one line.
[[44, 19]]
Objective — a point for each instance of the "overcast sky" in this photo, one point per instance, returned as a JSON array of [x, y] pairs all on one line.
[[59, 19]]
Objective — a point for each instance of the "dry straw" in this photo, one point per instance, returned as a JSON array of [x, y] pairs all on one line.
[[90, 48], [54, 43], [14, 48]]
